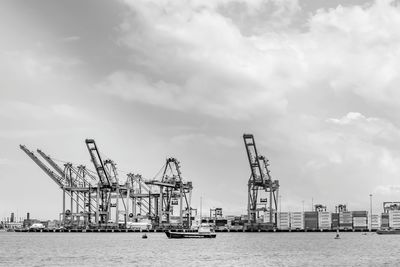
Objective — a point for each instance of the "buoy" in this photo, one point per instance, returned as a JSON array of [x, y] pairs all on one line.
[[337, 234], [144, 236]]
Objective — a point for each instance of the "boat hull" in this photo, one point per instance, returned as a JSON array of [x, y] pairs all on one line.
[[189, 235], [388, 232]]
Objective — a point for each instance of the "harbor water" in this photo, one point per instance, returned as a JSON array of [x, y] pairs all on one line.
[[228, 249]]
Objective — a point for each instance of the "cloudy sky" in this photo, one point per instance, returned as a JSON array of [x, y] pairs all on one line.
[[316, 82]]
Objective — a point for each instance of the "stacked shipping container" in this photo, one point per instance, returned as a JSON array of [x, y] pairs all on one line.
[[357, 220], [375, 222], [360, 221], [310, 220], [385, 220], [296, 220], [345, 220], [394, 219], [284, 220], [324, 220], [335, 220], [267, 218]]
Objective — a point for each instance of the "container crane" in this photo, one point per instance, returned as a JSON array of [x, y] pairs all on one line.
[[104, 185], [173, 191], [64, 181], [260, 182], [272, 187]]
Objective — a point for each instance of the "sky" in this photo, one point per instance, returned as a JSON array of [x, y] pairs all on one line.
[[316, 82]]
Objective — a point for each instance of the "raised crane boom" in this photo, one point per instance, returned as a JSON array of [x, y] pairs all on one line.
[[51, 162], [58, 179], [55, 177], [256, 178], [98, 162], [260, 180], [257, 174]]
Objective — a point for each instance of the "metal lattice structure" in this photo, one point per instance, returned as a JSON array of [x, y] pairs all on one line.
[[173, 191], [100, 199], [262, 189]]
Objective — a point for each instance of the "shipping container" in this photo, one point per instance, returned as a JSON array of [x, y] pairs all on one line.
[[296, 220], [385, 220], [345, 220], [267, 218], [346, 226], [361, 213], [311, 220], [335, 220], [394, 219], [324, 220], [360, 223], [283, 220], [375, 222]]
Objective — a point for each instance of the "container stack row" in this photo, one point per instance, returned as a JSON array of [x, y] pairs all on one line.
[[312, 221]]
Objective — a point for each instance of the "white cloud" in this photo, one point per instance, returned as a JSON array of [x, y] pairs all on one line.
[[193, 56], [350, 117]]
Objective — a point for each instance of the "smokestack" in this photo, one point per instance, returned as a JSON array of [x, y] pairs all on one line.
[[27, 216], [12, 217]]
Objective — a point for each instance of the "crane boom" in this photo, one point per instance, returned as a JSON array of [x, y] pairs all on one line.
[[55, 177], [51, 162], [257, 175], [98, 162]]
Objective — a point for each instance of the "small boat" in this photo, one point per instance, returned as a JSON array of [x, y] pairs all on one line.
[[204, 231], [144, 236], [388, 231]]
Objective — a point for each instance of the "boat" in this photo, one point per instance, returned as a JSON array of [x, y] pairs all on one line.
[[388, 231], [204, 231]]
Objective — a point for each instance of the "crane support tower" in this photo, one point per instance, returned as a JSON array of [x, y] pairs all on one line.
[[100, 199], [262, 190], [173, 191]]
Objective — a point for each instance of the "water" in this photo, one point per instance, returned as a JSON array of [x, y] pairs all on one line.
[[228, 249]]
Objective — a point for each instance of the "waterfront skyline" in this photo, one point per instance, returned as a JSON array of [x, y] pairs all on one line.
[[316, 83]]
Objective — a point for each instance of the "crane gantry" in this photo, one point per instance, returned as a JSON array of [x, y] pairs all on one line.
[[173, 191], [99, 199], [262, 189]]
